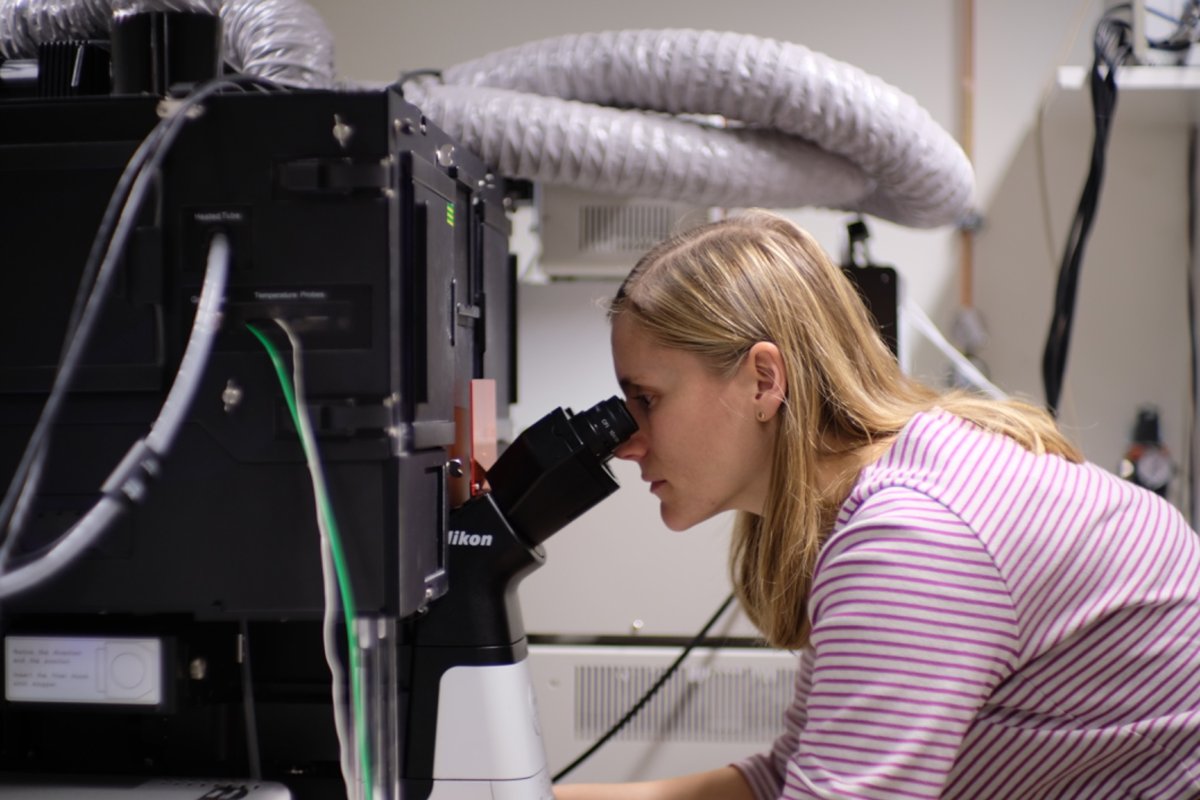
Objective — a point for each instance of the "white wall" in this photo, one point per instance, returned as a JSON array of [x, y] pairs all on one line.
[[618, 564]]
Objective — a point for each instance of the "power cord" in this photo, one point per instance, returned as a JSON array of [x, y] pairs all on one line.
[[335, 573], [633, 712]]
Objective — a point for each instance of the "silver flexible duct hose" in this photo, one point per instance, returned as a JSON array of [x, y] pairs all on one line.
[[281, 40], [638, 153], [915, 172], [285, 41], [616, 111], [24, 24]]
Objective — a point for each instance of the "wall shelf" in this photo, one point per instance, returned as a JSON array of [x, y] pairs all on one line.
[[1145, 95]]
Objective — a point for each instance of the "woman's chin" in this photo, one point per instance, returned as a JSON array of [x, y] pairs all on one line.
[[676, 521]]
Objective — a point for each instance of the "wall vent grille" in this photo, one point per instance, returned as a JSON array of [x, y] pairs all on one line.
[[585, 235], [625, 228], [695, 705]]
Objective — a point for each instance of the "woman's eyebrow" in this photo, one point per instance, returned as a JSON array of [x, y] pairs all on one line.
[[633, 386]]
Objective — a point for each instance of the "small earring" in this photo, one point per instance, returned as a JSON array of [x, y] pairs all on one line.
[[762, 415]]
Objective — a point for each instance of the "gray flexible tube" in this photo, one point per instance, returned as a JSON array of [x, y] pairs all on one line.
[[917, 172], [638, 153], [285, 41], [281, 40], [615, 111]]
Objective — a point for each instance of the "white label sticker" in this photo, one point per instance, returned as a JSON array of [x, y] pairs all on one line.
[[58, 669]]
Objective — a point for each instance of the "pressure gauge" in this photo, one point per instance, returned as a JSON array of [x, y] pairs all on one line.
[[1147, 462], [1154, 469]]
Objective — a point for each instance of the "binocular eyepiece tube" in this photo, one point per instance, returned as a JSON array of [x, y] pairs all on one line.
[[604, 426], [555, 470]]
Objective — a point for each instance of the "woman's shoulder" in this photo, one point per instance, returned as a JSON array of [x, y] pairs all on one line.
[[951, 462], [932, 445], [987, 480]]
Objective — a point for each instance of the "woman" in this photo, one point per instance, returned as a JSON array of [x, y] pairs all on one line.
[[979, 612]]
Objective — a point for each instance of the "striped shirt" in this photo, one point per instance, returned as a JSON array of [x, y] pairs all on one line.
[[987, 623]]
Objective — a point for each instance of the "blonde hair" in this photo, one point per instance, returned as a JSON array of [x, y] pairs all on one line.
[[717, 290]]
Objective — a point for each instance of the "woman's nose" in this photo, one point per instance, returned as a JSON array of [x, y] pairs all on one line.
[[632, 448]]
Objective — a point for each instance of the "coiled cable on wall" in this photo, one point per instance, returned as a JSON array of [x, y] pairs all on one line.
[[1111, 46]]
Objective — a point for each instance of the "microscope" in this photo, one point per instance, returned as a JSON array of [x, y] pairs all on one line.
[[467, 652]]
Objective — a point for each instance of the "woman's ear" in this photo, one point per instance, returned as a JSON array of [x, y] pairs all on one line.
[[770, 379]]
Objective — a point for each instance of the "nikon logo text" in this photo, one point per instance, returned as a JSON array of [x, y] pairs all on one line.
[[470, 539]]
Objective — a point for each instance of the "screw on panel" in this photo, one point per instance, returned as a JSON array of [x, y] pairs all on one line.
[[231, 398], [198, 669], [168, 106], [341, 131]]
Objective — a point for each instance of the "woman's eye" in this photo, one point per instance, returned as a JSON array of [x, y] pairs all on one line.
[[645, 400]]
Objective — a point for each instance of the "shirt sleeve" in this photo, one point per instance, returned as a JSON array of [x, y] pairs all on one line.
[[913, 629], [765, 771]]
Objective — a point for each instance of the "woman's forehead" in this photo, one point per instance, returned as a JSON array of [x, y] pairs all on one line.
[[630, 345], [630, 338], [641, 361]]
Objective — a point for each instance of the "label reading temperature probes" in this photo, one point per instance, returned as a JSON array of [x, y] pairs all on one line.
[[70, 669]]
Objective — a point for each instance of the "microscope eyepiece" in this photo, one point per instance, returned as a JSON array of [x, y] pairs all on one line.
[[556, 469], [604, 426]]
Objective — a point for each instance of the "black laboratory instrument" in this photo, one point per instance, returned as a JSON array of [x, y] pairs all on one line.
[[186, 644]]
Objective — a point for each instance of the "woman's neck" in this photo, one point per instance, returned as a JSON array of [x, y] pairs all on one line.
[[838, 467]]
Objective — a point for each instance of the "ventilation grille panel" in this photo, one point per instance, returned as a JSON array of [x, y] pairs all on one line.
[[697, 704], [625, 229], [592, 235]]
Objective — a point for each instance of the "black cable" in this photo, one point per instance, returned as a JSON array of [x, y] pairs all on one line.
[[129, 479], [29, 479], [118, 199], [621, 723], [1112, 47], [99, 269]]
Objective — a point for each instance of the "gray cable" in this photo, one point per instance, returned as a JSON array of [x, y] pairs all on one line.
[[126, 482], [341, 721], [103, 261]]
